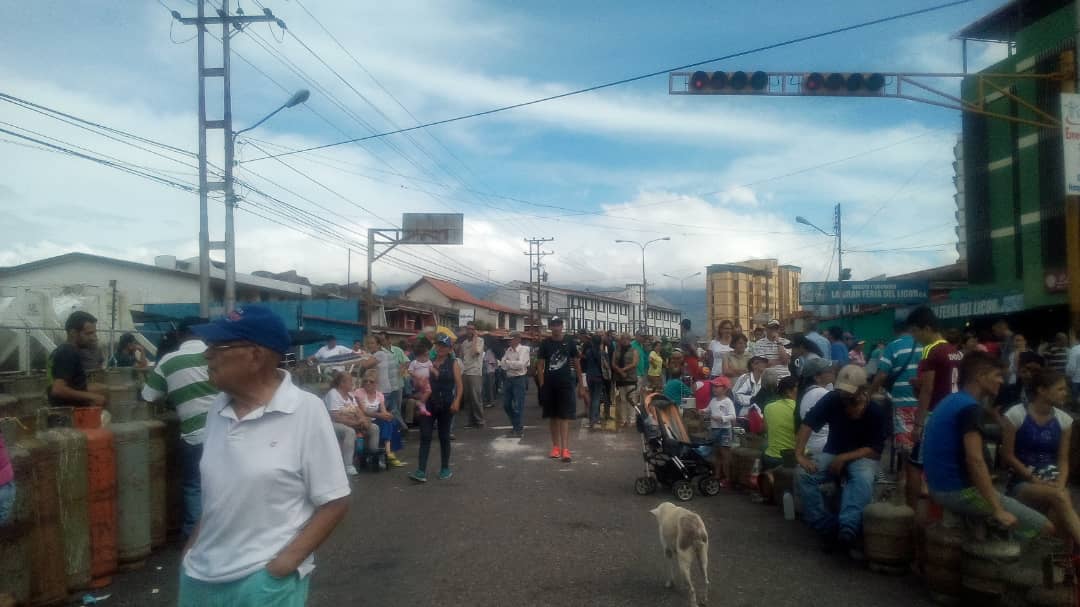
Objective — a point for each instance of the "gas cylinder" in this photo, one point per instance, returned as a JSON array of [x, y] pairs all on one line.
[[14, 536], [101, 484], [30, 391], [48, 581], [983, 568], [174, 488], [55, 427], [1027, 572], [132, 439], [887, 535], [943, 558], [9, 406], [121, 386], [743, 463], [158, 476]]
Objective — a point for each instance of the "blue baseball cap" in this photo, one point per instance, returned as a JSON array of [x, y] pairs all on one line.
[[254, 323], [444, 340]]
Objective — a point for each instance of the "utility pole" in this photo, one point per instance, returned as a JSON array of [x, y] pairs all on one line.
[[228, 23], [1072, 217], [536, 277]]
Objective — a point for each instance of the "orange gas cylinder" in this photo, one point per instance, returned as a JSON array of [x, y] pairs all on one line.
[[101, 478], [48, 580]]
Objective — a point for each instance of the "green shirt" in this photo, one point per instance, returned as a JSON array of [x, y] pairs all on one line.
[[780, 419], [642, 360]]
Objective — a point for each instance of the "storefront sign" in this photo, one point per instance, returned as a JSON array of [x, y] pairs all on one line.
[[466, 315], [863, 292], [1070, 134], [991, 306]]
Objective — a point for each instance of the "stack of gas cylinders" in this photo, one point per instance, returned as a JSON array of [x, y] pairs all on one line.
[[97, 488]]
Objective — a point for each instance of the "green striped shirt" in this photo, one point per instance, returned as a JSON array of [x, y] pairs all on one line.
[[181, 379]]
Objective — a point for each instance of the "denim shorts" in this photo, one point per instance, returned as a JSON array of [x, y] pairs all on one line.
[[970, 502], [7, 502], [721, 437]]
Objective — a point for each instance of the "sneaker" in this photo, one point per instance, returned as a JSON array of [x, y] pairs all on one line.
[[555, 453], [419, 476], [351, 470], [445, 474], [566, 455], [393, 461]]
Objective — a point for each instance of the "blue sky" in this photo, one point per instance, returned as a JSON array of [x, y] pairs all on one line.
[[705, 171]]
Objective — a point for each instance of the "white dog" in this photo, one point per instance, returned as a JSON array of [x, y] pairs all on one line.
[[684, 540]]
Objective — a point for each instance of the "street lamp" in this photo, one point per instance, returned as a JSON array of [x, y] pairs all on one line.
[[644, 301], [230, 198], [682, 286], [836, 233]]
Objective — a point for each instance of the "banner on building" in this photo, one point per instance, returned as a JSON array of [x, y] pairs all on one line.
[[864, 292], [1070, 134], [466, 315], [971, 308]]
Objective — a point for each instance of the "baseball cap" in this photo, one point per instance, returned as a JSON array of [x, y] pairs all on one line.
[[850, 379], [721, 380], [814, 366], [254, 323], [514, 334], [761, 358], [555, 320], [443, 339], [774, 323]]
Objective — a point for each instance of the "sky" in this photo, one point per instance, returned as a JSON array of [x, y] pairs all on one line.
[[722, 177]]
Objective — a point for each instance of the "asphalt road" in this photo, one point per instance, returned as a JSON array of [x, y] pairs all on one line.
[[514, 528]]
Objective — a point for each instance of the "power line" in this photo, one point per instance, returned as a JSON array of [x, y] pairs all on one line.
[[605, 85]]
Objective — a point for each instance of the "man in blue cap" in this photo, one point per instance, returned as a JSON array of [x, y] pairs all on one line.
[[273, 487]]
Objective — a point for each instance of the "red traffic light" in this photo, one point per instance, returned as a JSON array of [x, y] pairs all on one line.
[[814, 82], [698, 81]]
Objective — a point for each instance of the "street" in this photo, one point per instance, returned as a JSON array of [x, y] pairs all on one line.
[[513, 527]]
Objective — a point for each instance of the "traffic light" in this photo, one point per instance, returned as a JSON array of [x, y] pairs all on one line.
[[729, 83], [839, 84]]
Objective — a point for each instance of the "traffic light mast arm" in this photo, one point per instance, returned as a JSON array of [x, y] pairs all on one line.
[[856, 84]]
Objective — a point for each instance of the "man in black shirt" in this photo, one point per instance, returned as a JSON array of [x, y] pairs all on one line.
[[558, 372], [67, 376]]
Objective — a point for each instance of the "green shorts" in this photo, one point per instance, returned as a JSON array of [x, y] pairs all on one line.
[[256, 590], [969, 501]]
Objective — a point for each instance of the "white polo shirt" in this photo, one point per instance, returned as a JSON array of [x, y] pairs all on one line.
[[262, 479]]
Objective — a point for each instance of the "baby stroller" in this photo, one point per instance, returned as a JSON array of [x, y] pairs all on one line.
[[671, 459]]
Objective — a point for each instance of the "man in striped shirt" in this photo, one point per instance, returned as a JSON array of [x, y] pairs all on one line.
[[897, 369], [180, 379]]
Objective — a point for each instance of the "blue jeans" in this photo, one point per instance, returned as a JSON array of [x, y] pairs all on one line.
[[393, 405], [7, 502], [514, 400], [858, 491], [191, 484], [596, 394]]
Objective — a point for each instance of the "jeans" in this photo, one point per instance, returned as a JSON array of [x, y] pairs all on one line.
[[442, 416], [857, 493], [259, 589], [393, 405], [191, 485], [596, 394], [7, 502], [514, 400]]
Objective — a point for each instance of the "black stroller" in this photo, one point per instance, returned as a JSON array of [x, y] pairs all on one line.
[[671, 459]]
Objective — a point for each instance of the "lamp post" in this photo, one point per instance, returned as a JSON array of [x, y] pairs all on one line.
[[644, 301], [682, 286], [837, 233], [230, 199]]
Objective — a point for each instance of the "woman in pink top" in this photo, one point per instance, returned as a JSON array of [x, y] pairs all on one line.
[[7, 484]]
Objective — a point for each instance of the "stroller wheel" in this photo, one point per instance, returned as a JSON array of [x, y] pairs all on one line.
[[644, 485], [683, 490], [709, 486]]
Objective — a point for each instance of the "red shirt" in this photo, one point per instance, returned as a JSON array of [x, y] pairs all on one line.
[[944, 360]]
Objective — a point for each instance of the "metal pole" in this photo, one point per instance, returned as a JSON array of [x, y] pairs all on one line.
[[839, 255], [644, 301], [348, 272], [204, 227], [369, 296], [230, 197]]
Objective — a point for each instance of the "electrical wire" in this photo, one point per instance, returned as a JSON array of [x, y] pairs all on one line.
[[613, 83]]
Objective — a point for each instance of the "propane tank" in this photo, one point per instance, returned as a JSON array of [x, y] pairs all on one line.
[[101, 484], [132, 439], [743, 463], [14, 536], [158, 476], [943, 558], [48, 581], [887, 534], [9, 406], [30, 391], [55, 427], [984, 566]]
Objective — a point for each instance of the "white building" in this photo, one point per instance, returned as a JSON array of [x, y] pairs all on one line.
[[594, 310]]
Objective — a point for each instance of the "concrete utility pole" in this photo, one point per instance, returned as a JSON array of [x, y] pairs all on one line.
[[227, 22], [536, 278]]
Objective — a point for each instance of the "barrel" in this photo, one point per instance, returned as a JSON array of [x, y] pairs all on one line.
[[943, 558], [174, 488], [984, 566], [132, 439], [15, 535], [887, 537], [158, 478], [101, 493], [71, 488], [48, 581], [745, 463]]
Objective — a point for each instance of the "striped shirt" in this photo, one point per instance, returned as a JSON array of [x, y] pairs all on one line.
[[896, 353], [769, 349], [181, 378]]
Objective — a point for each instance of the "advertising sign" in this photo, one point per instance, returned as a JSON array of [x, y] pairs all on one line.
[[466, 315], [1070, 135], [863, 292]]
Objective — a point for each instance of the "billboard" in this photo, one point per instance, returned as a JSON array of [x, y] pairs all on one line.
[[432, 228], [1070, 135], [864, 292]]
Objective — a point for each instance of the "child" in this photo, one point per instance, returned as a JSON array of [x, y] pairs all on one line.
[[721, 412], [779, 433], [420, 372]]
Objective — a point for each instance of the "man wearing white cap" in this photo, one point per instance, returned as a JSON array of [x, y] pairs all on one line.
[[773, 348]]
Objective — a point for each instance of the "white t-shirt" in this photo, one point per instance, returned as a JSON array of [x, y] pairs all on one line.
[[386, 361], [721, 412], [420, 368], [718, 351], [262, 479], [334, 400], [809, 400]]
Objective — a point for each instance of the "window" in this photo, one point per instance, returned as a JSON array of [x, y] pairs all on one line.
[[588, 304]]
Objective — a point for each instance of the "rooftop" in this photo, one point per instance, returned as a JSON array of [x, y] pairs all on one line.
[[454, 292], [1002, 24]]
